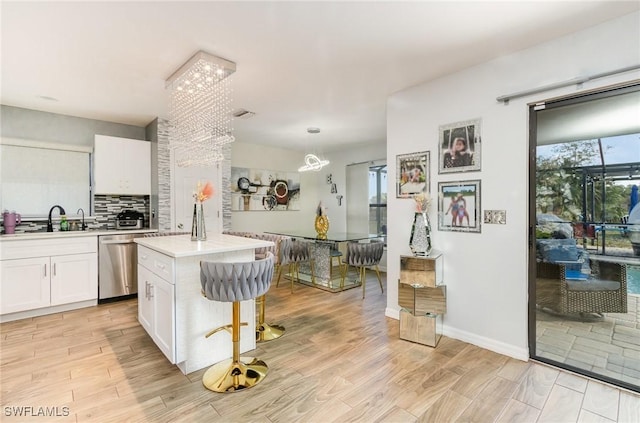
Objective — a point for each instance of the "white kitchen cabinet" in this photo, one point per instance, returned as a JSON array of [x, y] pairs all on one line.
[[25, 284], [156, 309], [121, 166], [163, 317], [47, 275], [145, 301], [74, 278]]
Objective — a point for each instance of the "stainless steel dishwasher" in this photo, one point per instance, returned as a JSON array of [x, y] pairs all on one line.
[[118, 264]]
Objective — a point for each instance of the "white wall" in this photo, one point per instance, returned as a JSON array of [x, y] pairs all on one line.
[[313, 185], [486, 273], [338, 170]]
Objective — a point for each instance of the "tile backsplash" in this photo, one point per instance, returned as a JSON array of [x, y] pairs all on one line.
[[105, 207]]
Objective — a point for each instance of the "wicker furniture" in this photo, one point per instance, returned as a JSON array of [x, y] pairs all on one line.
[[605, 291]]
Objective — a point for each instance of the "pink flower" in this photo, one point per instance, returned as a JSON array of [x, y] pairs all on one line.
[[203, 193]]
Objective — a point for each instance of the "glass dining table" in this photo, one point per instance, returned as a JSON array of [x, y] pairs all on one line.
[[326, 276]]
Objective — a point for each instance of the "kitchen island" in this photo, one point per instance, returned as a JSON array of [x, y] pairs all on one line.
[[172, 309]]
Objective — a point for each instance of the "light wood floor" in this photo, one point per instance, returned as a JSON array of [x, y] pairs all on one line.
[[340, 360]]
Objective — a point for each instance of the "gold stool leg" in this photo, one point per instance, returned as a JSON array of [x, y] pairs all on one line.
[[279, 273], [379, 279], [293, 268], [363, 278], [235, 374], [265, 331]]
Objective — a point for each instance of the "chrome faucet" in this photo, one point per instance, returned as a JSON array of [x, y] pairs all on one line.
[[49, 223], [83, 226]]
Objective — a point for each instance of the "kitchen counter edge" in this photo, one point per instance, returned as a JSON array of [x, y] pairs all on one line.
[[72, 234], [181, 245]]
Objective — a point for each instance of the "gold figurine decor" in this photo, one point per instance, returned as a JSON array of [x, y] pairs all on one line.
[[322, 222]]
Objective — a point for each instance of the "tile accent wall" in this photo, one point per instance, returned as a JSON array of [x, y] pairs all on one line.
[[164, 181], [224, 188], [164, 177]]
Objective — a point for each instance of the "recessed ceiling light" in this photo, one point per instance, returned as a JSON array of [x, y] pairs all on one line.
[[313, 130], [46, 97]]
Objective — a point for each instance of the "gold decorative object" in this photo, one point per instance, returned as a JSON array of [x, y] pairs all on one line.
[[322, 222]]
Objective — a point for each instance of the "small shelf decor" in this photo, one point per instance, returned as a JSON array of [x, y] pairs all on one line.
[[198, 229]]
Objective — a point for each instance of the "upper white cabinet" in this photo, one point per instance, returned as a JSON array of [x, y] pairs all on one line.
[[121, 166]]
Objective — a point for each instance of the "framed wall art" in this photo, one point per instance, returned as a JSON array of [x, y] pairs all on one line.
[[460, 146], [459, 206], [264, 190], [412, 173]]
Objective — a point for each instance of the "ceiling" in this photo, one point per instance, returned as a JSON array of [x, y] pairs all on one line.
[[330, 65]]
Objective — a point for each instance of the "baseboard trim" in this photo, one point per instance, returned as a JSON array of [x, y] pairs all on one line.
[[487, 343], [46, 310], [472, 338]]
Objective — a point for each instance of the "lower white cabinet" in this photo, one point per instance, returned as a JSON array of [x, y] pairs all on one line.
[[156, 310], [36, 274], [25, 284], [73, 278], [39, 282]]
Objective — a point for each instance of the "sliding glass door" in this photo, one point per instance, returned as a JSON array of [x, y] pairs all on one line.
[[584, 278]]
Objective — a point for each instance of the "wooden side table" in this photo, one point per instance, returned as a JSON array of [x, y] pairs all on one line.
[[422, 297]]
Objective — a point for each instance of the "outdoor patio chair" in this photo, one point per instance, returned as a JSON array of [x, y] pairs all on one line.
[[604, 291]]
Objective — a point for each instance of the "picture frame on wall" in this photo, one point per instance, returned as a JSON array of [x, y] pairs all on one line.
[[460, 146], [459, 206], [412, 174]]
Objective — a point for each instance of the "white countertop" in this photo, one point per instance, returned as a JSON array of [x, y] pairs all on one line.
[[182, 246], [71, 234]]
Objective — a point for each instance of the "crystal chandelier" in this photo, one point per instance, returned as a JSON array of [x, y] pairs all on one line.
[[200, 110]]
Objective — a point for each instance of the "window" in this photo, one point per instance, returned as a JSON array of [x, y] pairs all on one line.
[[378, 200]]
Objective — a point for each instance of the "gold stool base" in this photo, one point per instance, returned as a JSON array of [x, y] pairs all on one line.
[[267, 332], [228, 376]]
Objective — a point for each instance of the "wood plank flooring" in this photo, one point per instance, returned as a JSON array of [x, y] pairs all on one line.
[[340, 360]]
